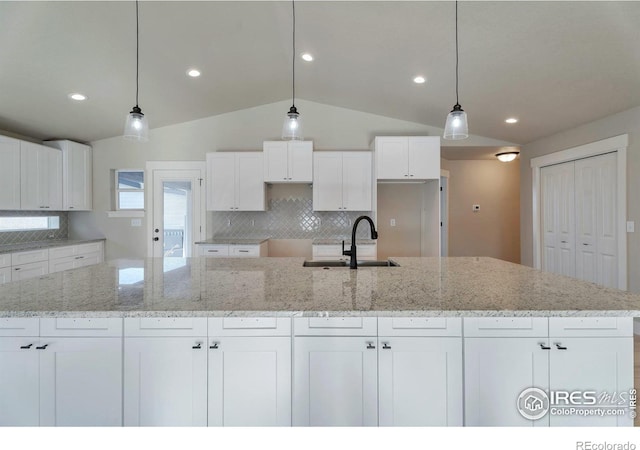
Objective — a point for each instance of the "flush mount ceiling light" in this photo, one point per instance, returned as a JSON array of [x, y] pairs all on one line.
[[511, 120], [507, 156], [307, 57], [456, 126], [419, 79], [136, 127], [292, 127], [77, 97], [194, 73]]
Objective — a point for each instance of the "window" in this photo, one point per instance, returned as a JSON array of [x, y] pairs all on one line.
[[29, 223], [129, 189]]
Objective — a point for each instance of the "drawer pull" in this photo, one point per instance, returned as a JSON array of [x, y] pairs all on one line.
[[544, 347], [370, 345], [26, 347], [16, 268], [243, 251], [198, 346], [212, 251], [42, 347], [386, 346], [214, 346], [560, 347]]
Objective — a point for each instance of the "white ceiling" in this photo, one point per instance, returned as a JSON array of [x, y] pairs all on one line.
[[553, 65]]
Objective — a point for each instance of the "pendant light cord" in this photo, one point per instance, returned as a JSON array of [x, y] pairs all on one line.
[[137, 53], [457, 101], [293, 59]]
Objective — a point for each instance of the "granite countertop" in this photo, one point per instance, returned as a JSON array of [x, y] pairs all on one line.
[[234, 241], [23, 246], [347, 241], [176, 287]]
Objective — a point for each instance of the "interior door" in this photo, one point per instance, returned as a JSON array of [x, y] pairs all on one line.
[[178, 212]]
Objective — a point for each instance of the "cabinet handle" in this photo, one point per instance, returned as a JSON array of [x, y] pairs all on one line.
[[198, 346], [560, 347], [411, 175], [370, 345], [70, 207], [79, 257], [564, 242], [243, 251], [16, 268], [214, 346], [43, 347], [584, 243], [212, 251], [26, 347], [544, 347], [386, 345]]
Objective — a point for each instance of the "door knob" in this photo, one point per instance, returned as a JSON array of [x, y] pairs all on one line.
[[157, 230], [156, 238]]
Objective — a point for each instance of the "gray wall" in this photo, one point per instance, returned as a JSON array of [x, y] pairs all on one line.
[[626, 122]]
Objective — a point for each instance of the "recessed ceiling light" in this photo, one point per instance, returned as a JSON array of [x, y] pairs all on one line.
[[307, 57], [77, 97], [507, 156], [193, 73], [419, 79], [511, 120]]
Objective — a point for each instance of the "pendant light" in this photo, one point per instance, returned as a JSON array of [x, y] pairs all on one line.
[[456, 126], [136, 128], [292, 127]]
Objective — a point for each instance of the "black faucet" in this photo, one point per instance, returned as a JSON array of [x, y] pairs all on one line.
[[353, 264]]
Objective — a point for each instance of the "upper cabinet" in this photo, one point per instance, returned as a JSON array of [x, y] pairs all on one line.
[[407, 157], [77, 178], [235, 181], [288, 161], [10, 173], [342, 181], [40, 177]]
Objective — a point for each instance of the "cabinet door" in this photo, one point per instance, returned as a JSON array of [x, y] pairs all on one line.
[[77, 177], [52, 172], [300, 159], [496, 371], [40, 177], [10, 173], [327, 181], [5, 275], [392, 158], [81, 382], [221, 181], [424, 158], [602, 365], [250, 191], [420, 381], [357, 184], [165, 381], [250, 381], [19, 391], [32, 270], [275, 161], [335, 381]]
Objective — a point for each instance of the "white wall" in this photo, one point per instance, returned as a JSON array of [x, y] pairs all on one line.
[[626, 122], [328, 126]]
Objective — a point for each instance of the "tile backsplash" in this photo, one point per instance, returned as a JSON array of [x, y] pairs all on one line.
[[286, 218], [18, 237]]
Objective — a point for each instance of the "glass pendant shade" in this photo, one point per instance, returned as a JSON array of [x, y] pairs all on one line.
[[456, 126], [507, 156], [136, 128], [292, 127]]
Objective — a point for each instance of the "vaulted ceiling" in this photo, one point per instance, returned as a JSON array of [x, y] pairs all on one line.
[[553, 65]]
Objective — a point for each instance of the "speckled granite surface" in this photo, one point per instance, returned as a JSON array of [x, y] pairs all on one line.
[[282, 287], [24, 246], [234, 241]]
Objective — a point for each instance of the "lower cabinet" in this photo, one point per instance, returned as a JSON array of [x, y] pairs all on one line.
[[165, 381], [250, 381], [335, 381], [19, 382]]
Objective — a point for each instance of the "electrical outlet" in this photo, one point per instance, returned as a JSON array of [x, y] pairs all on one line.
[[393, 222], [631, 226], [476, 208], [136, 222]]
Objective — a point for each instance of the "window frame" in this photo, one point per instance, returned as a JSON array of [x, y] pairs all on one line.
[[118, 189]]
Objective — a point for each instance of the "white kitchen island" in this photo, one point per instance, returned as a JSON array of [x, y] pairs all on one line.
[[267, 342]]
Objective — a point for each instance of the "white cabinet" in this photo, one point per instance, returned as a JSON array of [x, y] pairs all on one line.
[[77, 175], [288, 161], [233, 250], [322, 252], [5, 275], [10, 173], [342, 181], [407, 158], [250, 381], [235, 181], [40, 177], [19, 381], [29, 264], [75, 256]]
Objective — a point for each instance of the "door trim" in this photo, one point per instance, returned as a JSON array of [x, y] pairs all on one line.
[[150, 167], [616, 144]]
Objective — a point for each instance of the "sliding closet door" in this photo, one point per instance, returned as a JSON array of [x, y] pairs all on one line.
[[558, 219], [596, 237]]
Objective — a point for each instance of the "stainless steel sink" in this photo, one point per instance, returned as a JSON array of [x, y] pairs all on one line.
[[339, 263]]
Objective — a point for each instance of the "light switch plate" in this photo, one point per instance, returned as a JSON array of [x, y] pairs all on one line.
[[631, 226], [476, 208], [393, 222], [136, 222]]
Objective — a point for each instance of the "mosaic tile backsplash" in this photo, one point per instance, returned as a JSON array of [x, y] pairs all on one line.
[[286, 218], [18, 237]]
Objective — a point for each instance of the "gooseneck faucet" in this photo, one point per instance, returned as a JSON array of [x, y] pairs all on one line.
[[353, 264]]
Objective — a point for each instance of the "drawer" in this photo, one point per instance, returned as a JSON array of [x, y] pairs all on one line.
[[20, 326], [327, 251], [88, 259], [62, 252], [244, 251], [86, 327], [92, 247], [335, 326], [5, 260], [31, 270], [31, 256], [506, 327], [214, 250], [419, 326], [5, 275], [591, 326], [165, 326], [249, 326]]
